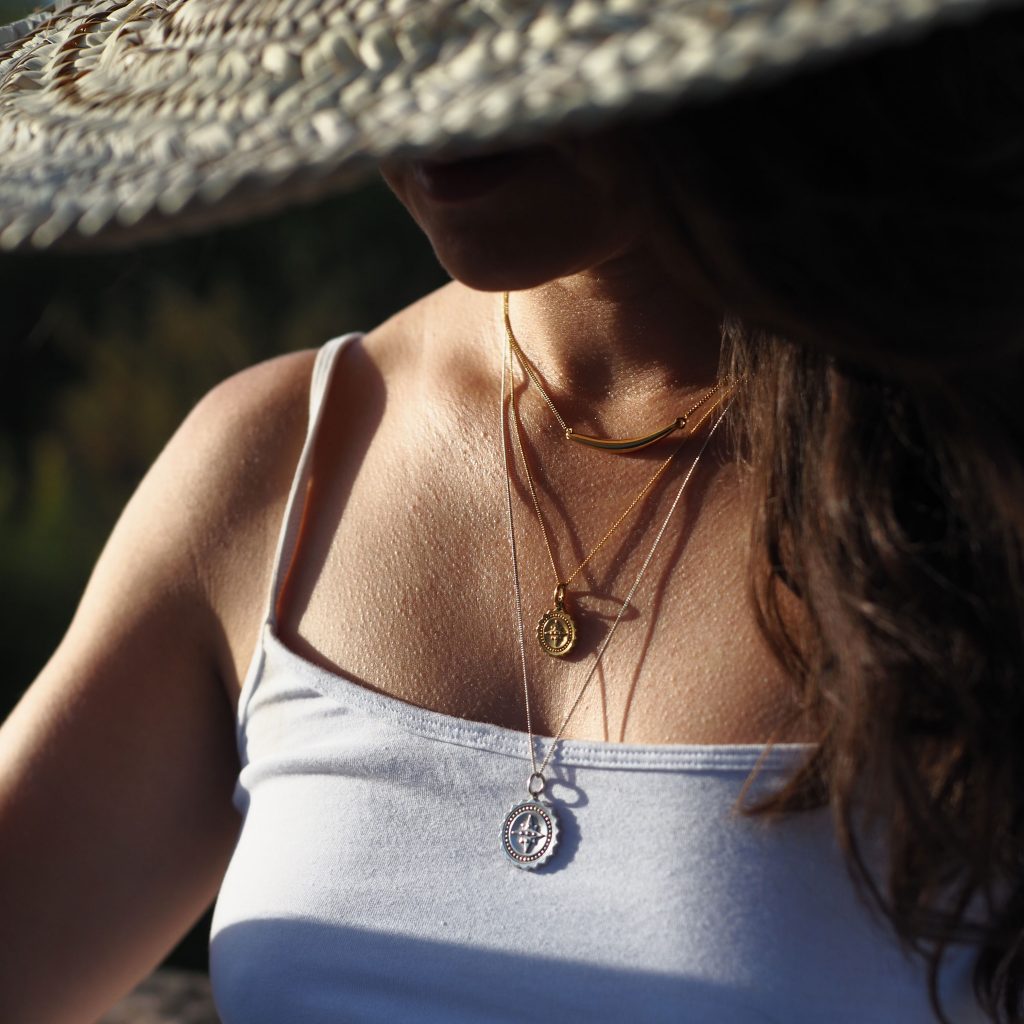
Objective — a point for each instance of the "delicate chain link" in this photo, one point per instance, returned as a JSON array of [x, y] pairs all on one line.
[[506, 369], [517, 439], [626, 602], [528, 368], [518, 443], [531, 372], [517, 590]]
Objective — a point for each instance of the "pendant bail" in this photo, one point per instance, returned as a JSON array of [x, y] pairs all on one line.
[[559, 597], [536, 785]]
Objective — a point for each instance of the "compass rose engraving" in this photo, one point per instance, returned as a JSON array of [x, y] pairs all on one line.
[[556, 632], [529, 833]]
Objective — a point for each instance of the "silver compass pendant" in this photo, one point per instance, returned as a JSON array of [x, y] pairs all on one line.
[[529, 833]]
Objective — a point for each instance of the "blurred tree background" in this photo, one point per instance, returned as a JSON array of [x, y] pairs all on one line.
[[103, 356], [11, 10]]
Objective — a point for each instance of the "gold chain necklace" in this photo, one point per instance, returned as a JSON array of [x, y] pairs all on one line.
[[608, 444], [529, 831], [556, 630]]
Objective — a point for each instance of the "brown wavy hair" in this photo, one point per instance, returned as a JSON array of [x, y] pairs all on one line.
[[865, 224]]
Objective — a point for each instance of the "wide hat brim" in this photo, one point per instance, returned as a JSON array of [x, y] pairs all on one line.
[[121, 121]]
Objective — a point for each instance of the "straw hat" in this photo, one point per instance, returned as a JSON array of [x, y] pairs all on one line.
[[125, 119]]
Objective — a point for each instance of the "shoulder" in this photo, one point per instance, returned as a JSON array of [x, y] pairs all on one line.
[[207, 512], [236, 450], [263, 404], [228, 470], [224, 456], [236, 454]]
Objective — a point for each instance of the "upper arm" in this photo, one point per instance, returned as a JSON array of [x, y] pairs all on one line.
[[117, 767]]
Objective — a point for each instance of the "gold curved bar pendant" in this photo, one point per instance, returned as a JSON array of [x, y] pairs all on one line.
[[626, 444]]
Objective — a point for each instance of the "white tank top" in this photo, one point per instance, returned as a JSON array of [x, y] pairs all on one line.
[[369, 883]]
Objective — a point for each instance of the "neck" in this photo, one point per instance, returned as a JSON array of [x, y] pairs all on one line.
[[618, 344]]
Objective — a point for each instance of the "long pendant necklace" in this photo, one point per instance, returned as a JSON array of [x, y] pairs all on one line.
[[529, 831], [556, 630], [608, 444]]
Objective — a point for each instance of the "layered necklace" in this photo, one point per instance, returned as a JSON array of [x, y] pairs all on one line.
[[556, 630], [608, 444], [529, 831]]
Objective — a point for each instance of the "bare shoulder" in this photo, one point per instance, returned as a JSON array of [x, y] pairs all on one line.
[[236, 433], [232, 461], [236, 454]]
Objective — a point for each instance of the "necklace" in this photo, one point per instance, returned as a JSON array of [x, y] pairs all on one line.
[[556, 630], [608, 444], [529, 831]]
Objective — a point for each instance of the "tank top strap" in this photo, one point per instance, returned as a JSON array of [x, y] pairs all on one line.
[[291, 526]]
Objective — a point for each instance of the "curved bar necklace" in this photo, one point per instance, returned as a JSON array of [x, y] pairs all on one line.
[[608, 444], [529, 831]]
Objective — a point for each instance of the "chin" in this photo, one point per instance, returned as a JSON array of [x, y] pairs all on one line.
[[539, 224], [530, 249]]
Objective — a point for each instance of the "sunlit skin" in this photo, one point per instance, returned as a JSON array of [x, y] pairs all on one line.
[[402, 579], [625, 342]]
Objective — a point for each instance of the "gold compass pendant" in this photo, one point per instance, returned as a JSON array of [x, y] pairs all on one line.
[[556, 631]]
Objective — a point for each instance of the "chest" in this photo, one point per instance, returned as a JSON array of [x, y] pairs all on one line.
[[404, 581]]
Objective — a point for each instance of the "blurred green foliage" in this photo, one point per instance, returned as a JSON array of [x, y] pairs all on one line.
[[102, 356], [12, 10]]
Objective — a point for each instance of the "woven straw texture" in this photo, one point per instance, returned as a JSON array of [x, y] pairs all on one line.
[[120, 120]]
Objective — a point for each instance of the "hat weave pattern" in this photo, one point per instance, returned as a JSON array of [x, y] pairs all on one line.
[[121, 119]]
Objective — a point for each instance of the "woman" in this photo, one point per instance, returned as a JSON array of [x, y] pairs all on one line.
[[850, 448]]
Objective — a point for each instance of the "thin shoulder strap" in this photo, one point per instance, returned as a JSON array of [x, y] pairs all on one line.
[[323, 370]]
